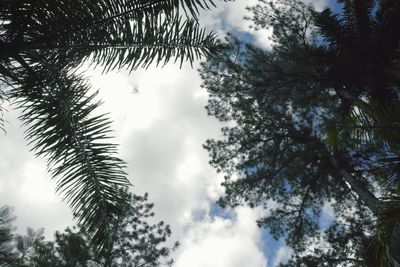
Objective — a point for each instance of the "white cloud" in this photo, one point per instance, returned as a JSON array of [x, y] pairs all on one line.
[[282, 256], [165, 158], [26, 185], [327, 214], [229, 17], [319, 4], [165, 154], [218, 242]]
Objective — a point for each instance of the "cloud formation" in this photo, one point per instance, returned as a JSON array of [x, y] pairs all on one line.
[[219, 242]]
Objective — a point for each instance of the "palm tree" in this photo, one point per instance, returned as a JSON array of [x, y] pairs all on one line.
[[43, 44], [376, 126], [363, 54], [360, 48]]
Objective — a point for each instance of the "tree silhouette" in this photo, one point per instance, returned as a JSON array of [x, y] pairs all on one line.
[[7, 253], [136, 242], [288, 105]]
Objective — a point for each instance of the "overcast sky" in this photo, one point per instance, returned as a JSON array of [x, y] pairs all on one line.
[[160, 123]]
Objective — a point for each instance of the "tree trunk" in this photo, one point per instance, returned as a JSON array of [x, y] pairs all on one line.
[[369, 199], [357, 186], [107, 262]]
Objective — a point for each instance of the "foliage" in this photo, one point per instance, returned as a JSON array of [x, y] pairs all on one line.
[[135, 242], [287, 108], [7, 254], [42, 45]]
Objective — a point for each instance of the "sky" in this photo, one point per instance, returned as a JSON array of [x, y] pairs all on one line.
[[160, 123]]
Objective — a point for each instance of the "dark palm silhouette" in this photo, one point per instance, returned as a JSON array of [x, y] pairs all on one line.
[[363, 54]]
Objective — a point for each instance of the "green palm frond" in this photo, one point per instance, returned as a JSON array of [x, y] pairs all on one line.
[[139, 44], [40, 15], [387, 30], [117, 33], [349, 31], [3, 94], [359, 20], [377, 124], [389, 169], [385, 245], [62, 127], [330, 26], [2, 109]]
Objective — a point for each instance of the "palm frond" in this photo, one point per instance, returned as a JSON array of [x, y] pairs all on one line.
[[330, 27], [4, 79], [41, 14], [62, 128], [121, 28], [387, 32], [358, 18], [389, 169], [375, 126], [386, 244], [139, 44], [2, 109]]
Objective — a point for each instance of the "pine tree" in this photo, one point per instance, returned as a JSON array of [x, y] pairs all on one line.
[[287, 107], [136, 242], [8, 257]]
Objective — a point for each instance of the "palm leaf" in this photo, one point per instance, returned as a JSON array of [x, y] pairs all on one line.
[[387, 32], [129, 33], [377, 124], [358, 17], [386, 244], [63, 128], [138, 44], [330, 26], [374, 126]]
